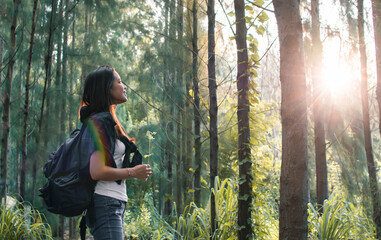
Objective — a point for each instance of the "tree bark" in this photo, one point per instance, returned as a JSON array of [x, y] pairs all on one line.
[[7, 103], [294, 172], [58, 81], [376, 7], [71, 103], [26, 105], [64, 71], [1, 57], [180, 114], [197, 116], [213, 110], [244, 160], [169, 93], [48, 73], [366, 122], [317, 105]]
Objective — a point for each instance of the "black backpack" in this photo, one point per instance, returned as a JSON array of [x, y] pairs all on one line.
[[69, 189]]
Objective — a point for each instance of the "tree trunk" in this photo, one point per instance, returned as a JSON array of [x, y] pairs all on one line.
[[366, 122], [7, 103], [180, 114], [163, 184], [26, 105], [244, 159], [58, 82], [71, 228], [64, 71], [318, 98], [213, 109], [62, 227], [71, 102], [197, 115], [48, 72], [376, 7], [294, 172], [1, 57], [188, 119], [169, 92]]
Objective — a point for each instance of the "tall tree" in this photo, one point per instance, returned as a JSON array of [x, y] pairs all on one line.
[[294, 174], [244, 160], [317, 104], [7, 100], [180, 130], [72, 62], [58, 81], [188, 113], [26, 105], [48, 75], [170, 81], [64, 68], [366, 122], [196, 112], [213, 110], [376, 7]]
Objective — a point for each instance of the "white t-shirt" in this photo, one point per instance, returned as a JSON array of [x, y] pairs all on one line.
[[112, 188]]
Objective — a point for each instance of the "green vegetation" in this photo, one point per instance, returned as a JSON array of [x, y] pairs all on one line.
[[21, 221], [339, 220]]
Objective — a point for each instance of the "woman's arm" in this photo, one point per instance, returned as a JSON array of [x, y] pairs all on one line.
[[99, 171]]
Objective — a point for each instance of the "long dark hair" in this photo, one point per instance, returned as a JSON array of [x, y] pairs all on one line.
[[96, 94]]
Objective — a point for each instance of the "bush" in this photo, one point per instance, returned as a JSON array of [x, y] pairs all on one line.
[[339, 220], [20, 221]]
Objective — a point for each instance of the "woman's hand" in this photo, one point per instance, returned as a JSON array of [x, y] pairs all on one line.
[[99, 171], [142, 171]]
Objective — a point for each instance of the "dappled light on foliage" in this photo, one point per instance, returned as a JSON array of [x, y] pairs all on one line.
[[283, 111]]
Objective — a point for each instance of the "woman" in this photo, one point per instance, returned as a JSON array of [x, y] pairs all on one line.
[[103, 91]]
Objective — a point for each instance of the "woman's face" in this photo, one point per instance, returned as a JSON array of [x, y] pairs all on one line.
[[118, 90]]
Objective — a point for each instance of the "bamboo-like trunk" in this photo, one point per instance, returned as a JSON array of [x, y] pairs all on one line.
[[180, 129], [213, 110], [58, 81], [26, 104], [48, 71], [366, 122], [64, 72], [197, 115], [317, 103], [71, 78]]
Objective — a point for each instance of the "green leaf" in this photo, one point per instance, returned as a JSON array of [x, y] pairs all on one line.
[[249, 8], [259, 2], [203, 181], [263, 17], [260, 30], [231, 14]]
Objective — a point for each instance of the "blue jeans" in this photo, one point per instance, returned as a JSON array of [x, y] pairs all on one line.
[[105, 218]]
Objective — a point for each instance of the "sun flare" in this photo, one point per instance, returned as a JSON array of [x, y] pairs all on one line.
[[338, 75], [336, 78]]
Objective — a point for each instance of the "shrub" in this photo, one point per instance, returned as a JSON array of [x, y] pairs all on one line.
[[20, 221], [339, 220]]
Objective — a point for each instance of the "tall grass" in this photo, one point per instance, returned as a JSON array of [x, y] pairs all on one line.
[[22, 222], [194, 222], [339, 220]]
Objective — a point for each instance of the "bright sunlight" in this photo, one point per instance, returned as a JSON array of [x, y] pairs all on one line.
[[337, 73]]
